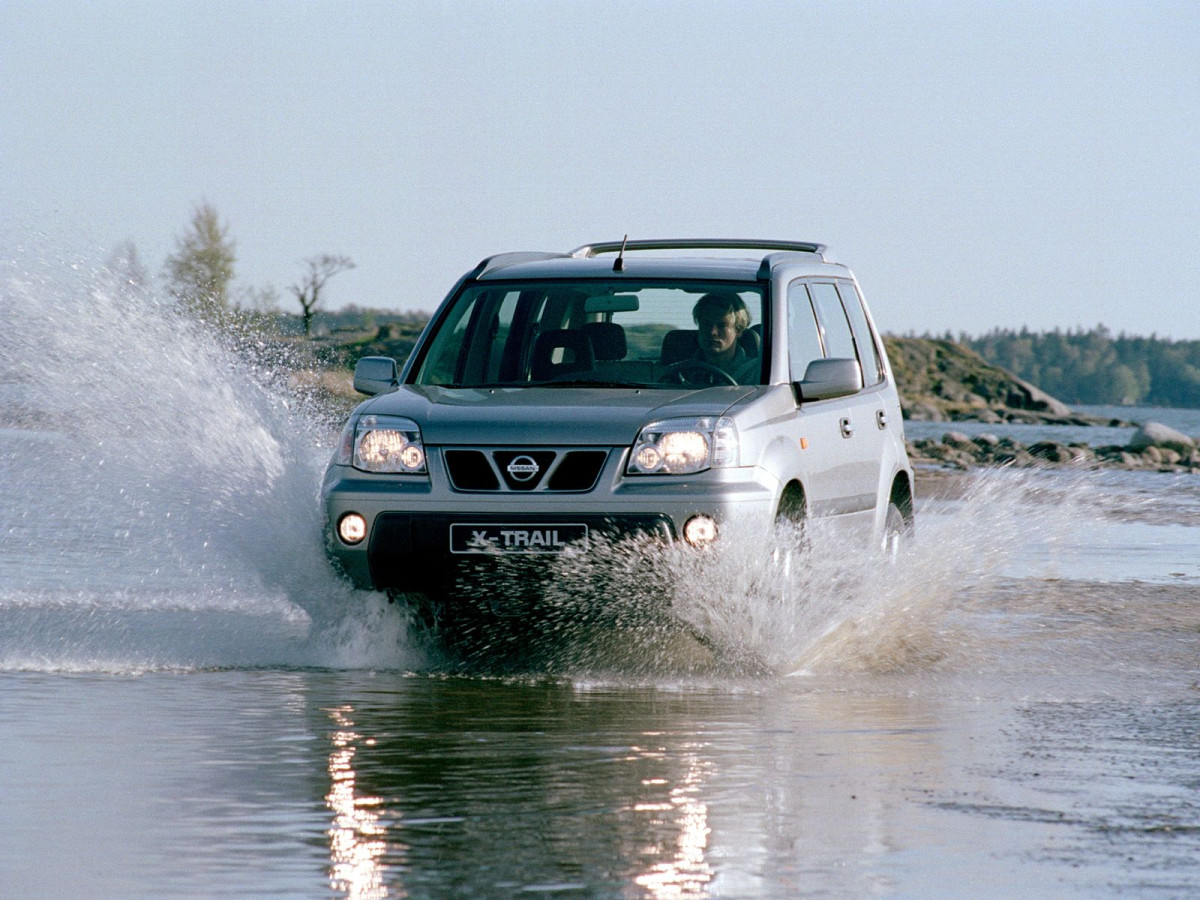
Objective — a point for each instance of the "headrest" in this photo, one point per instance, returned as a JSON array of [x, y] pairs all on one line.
[[577, 355], [608, 339], [751, 341], [679, 345]]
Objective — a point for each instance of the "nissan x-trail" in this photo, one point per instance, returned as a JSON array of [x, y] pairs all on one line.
[[663, 388]]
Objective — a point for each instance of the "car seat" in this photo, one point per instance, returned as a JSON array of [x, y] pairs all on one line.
[[561, 351], [608, 340], [750, 340], [679, 345]]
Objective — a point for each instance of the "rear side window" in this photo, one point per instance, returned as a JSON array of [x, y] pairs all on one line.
[[868, 353], [804, 341], [835, 328]]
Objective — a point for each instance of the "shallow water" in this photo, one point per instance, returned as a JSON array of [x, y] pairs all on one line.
[[193, 705]]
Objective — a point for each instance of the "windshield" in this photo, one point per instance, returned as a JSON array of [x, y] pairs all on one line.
[[604, 333]]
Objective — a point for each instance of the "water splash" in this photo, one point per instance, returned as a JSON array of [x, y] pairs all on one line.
[[758, 603], [160, 504], [841, 609]]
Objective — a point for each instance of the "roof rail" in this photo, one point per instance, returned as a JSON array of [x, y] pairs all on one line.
[[502, 260], [589, 250]]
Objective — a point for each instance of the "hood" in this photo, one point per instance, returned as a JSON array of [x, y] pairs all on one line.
[[564, 416]]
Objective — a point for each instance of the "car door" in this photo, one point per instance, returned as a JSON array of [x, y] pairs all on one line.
[[877, 403], [846, 426], [822, 430]]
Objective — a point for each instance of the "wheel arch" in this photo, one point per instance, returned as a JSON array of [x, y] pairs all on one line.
[[902, 495], [793, 502]]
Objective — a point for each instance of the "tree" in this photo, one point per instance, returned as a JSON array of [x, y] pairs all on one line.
[[125, 263], [319, 269], [199, 271], [264, 299]]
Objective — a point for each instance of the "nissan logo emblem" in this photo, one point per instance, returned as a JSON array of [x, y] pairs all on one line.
[[522, 468]]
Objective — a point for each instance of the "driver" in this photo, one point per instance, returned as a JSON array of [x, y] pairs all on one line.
[[721, 317]]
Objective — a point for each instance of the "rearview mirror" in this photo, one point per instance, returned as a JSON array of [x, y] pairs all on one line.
[[375, 374], [611, 303], [825, 379]]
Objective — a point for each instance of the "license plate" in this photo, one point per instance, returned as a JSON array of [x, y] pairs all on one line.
[[517, 538]]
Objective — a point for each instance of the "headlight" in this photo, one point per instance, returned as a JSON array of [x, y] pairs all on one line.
[[388, 444], [683, 446]]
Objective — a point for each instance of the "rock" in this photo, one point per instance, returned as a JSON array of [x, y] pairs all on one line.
[[1051, 451], [1081, 453], [956, 451], [923, 412], [1026, 396], [941, 380], [1155, 434]]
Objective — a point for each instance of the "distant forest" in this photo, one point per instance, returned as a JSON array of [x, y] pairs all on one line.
[[1097, 368]]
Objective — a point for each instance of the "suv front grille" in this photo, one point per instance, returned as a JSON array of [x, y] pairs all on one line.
[[470, 471], [578, 471], [559, 471]]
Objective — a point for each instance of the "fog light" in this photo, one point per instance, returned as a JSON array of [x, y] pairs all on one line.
[[352, 528], [700, 531]]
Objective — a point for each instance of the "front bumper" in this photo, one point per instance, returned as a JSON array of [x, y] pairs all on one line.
[[408, 552], [408, 542]]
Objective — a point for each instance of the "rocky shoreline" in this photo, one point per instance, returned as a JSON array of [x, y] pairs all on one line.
[[1154, 447]]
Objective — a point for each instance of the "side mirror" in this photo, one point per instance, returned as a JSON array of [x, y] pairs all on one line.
[[826, 379], [375, 374]]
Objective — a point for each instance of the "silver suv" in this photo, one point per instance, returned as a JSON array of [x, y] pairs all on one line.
[[559, 399]]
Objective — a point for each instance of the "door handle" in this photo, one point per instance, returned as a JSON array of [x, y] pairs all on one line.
[[847, 427], [881, 418]]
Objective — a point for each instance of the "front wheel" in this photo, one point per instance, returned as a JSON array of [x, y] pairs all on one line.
[[897, 531]]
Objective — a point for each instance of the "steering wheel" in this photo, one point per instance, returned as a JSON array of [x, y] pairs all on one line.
[[675, 372]]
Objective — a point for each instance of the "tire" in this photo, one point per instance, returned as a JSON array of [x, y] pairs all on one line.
[[897, 531], [790, 519]]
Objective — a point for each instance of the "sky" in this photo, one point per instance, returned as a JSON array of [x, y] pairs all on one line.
[[976, 164]]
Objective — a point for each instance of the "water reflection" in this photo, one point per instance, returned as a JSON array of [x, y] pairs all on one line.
[[458, 787], [687, 873], [357, 839]]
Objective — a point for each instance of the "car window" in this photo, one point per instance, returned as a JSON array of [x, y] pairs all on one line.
[[868, 353], [618, 332], [835, 328], [441, 363], [804, 340]]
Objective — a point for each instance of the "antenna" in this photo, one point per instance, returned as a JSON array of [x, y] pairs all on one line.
[[619, 263]]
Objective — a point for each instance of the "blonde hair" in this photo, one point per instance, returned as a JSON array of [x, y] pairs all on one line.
[[720, 304]]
